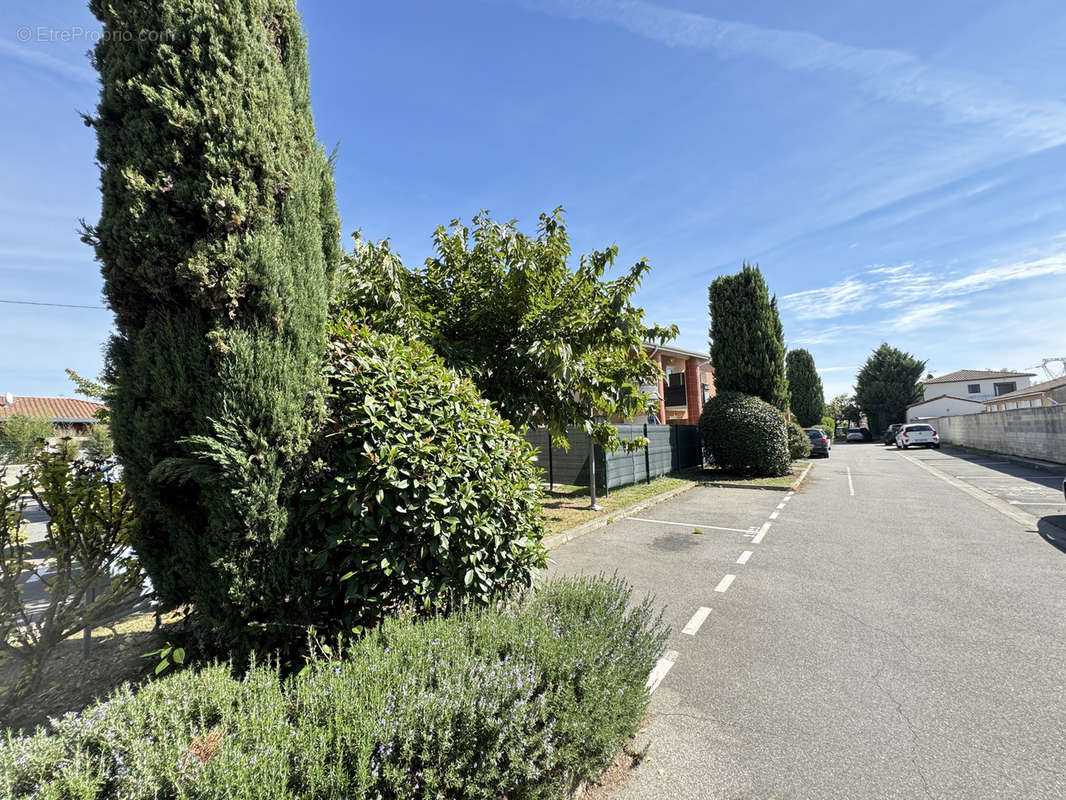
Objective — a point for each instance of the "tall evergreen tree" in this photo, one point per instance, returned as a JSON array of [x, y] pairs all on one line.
[[218, 240], [804, 388], [886, 385], [747, 340]]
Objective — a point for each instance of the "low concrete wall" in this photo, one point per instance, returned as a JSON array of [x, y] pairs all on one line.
[[1027, 432]]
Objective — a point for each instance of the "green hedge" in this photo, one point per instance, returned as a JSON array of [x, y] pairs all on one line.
[[516, 703], [829, 425], [799, 444], [745, 435]]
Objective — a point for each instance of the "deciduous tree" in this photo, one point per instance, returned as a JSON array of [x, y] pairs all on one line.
[[550, 345]]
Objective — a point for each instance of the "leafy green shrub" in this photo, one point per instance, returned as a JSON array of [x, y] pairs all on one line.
[[799, 445], [84, 560], [98, 445], [20, 435], [744, 434], [516, 703], [428, 498], [829, 425]]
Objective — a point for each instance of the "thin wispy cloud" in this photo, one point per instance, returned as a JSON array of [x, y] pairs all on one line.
[[34, 57], [1035, 123], [993, 276], [922, 316], [846, 297], [904, 286]]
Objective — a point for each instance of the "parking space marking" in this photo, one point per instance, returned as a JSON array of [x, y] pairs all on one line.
[[697, 619], [1024, 519], [762, 532], [744, 557], [851, 486], [658, 672], [691, 525], [725, 583]]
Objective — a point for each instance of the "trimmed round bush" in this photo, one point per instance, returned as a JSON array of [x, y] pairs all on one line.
[[745, 435], [799, 444], [428, 499]]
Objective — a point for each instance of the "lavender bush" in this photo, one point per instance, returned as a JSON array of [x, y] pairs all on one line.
[[514, 703]]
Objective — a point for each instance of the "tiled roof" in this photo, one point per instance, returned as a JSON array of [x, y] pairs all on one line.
[[1036, 388], [977, 375], [57, 409]]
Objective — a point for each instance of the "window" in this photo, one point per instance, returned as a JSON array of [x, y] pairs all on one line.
[[675, 389], [1004, 388], [973, 388]]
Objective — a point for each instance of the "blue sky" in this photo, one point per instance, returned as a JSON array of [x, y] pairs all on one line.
[[898, 170]]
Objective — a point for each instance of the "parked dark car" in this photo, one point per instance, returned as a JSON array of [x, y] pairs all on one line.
[[891, 431], [820, 444]]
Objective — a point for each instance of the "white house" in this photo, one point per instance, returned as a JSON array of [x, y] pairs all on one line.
[[1048, 393], [975, 384], [945, 405]]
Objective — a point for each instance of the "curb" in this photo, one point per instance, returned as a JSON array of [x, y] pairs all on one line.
[[759, 487], [557, 540], [796, 484]]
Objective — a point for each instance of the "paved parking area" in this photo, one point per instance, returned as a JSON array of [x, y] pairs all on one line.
[[1037, 492], [728, 522]]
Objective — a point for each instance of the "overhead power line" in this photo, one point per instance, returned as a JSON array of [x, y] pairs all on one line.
[[52, 305]]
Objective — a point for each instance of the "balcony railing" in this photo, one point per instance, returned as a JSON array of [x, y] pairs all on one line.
[[675, 396]]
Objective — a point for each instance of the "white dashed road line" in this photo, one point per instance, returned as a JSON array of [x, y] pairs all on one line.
[[658, 672], [744, 557], [774, 514], [725, 583], [691, 525], [781, 505], [851, 486], [697, 619], [762, 532]]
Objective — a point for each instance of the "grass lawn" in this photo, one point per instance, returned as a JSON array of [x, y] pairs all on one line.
[[719, 476], [568, 506]]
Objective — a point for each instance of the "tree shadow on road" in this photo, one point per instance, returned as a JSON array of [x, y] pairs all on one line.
[[1052, 530]]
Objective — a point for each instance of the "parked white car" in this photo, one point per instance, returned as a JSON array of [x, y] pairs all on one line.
[[917, 434]]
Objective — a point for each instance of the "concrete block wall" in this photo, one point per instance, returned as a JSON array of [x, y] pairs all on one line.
[[1027, 432]]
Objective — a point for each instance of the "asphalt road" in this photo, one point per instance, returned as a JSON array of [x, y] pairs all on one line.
[[898, 631]]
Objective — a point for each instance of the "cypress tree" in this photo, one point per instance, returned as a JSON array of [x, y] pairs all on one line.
[[804, 388], [747, 339], [218, 239], [886, 384]]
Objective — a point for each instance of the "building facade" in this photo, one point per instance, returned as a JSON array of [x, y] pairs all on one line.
[[1048, 393], [687, 383], [945, 405], [975, 384]]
